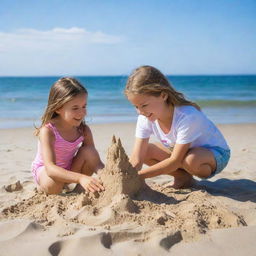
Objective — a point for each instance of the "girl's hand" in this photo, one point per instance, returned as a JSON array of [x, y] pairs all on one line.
[[90, 184]]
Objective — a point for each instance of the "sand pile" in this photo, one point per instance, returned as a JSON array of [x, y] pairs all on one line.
[[13, 187], [175, 214], [119, 178]]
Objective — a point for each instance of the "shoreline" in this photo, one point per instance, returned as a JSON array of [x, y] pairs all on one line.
[[123, 123]]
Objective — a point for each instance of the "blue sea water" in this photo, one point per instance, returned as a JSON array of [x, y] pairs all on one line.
[[224, 99]]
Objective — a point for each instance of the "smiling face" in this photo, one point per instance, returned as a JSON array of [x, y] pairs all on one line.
[[149, 106], [74, 111]]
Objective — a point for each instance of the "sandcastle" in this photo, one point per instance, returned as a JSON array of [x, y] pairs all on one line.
[[118, 176]]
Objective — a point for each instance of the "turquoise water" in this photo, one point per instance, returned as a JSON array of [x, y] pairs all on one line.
[[225, 99]]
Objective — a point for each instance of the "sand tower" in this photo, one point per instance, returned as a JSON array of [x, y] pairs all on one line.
[[118, 176]]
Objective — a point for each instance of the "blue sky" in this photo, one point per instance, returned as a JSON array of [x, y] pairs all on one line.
[[58, 37]]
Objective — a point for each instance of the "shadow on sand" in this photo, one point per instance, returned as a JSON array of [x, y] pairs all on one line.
[[242, 190], [154, 196]]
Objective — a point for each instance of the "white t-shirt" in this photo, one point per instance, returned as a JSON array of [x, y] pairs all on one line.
[[189, 125]]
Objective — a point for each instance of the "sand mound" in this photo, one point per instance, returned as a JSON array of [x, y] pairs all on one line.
[[175, 214], [118, 177], [13, 187]]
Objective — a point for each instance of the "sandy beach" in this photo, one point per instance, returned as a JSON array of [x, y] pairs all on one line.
[[217, 217]]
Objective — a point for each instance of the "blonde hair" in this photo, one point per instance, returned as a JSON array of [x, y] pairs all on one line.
[[61, 92], [150, 81]]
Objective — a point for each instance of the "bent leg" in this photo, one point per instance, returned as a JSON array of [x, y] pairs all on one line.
[[47, 184], [156, 153], [199, 162], [87, 161]]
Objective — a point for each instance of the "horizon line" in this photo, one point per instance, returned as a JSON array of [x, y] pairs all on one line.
[[126, 75]]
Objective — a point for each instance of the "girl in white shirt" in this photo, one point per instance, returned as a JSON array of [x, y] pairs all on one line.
[[190, 144]]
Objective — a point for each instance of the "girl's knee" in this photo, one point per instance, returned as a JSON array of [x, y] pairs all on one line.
[[48, 185], [153, 148], [195, 167], [91, 159], [88, 151], [149, 153], [156, 152], [189, 162], [51, 189]]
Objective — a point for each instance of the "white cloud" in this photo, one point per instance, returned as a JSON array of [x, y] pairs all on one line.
[[59, 51], [56, 38]]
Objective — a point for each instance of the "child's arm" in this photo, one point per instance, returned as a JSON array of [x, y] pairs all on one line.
[[89, 141], [139, 153], [55, 172], [168, 165], [88, 138]]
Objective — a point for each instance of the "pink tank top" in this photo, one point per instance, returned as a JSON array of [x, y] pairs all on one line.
[[64, 151]]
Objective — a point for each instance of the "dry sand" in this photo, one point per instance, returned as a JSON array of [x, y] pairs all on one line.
[[217, 217]]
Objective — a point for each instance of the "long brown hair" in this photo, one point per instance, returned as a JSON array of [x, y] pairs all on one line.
[[150, 81], [62, 91]]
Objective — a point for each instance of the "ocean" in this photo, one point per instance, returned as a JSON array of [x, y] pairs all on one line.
[[224, 99]]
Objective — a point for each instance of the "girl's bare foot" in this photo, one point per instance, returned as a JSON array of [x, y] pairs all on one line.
[[182, 179]]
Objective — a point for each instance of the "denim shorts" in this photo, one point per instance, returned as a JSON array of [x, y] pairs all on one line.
[[221, 156]]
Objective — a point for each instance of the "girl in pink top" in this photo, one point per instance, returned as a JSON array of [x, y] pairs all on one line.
[[66, 151]]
